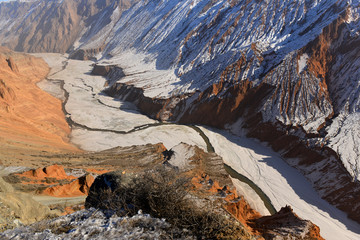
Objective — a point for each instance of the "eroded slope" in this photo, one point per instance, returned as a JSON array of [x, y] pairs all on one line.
[[30, 119]]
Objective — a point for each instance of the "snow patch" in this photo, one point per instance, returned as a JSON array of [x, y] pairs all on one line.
[[181, 156], [169, 135], [141, 71], [302, 62]]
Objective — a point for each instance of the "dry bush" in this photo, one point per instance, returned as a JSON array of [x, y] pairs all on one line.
[[162, 194], [12, 178]]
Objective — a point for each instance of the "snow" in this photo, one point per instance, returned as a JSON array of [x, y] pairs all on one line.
[[169, 135], [105, 121], [181, 156], [283, 184], [56, 61], [197, 45], [292, 101], [53, 88], [303, 62], [94, 224], [168, 48], [94, 36], [171, 48], [344, 137]]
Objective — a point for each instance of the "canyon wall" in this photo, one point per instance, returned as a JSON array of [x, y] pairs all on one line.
[[30, 118]]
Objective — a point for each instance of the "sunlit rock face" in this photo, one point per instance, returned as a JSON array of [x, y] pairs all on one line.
[[30, 118]]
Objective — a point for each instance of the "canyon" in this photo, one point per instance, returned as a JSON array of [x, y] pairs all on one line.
[[271, 87]]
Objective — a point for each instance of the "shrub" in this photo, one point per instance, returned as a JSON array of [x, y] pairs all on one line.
[[162, 194]]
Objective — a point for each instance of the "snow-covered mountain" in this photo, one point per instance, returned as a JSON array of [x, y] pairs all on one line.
[[287, 71]]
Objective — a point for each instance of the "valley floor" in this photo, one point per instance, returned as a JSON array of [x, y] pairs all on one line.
[[100, 122]]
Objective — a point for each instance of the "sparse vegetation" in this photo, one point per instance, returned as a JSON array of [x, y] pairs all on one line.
[[12, 178], [162, 194]]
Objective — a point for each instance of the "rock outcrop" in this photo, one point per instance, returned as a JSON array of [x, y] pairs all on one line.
[[75, 188], [286, 71], [22, 209], [55, 171], [59, 184], [285, 224], [292, 97]]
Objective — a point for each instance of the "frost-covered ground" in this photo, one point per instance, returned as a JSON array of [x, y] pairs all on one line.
[[172, 47], [56, 63], [93, 224], [283, 184], [188, 43]]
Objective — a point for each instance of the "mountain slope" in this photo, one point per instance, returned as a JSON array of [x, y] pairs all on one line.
[[53, 26]]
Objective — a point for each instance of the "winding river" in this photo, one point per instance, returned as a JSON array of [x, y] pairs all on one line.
[[100, 122]]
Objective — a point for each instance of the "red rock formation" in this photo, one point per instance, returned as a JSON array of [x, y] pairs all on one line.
[[321, 165], [12, 65], [97, 171], [234, 204], [319, 49], [234, 101], [29, 117], [277, 226], [284, 224], [54, 171], [78, 187]]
